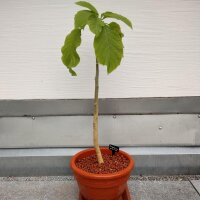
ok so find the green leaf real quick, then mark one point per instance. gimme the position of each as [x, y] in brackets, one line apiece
[87, 5]
[81, 18]
[70, 57]
[117, 16]
[109, 48]
[95, 24]
[117, 28]
[72, 72]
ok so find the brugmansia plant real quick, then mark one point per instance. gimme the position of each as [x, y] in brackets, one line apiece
[108, 48]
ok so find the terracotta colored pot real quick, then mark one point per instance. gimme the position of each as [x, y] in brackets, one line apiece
[101, 186]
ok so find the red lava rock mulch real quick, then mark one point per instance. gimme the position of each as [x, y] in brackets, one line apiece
[111, 164]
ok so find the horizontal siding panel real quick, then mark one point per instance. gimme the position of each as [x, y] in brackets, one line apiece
[162, 52]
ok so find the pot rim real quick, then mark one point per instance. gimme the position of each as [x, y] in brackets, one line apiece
[118, 174]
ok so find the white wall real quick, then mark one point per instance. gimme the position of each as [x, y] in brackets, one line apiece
[162, 53]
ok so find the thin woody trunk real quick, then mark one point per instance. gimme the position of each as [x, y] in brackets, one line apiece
[95, 116]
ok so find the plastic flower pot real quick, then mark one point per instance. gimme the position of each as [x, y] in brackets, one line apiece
[111, 186]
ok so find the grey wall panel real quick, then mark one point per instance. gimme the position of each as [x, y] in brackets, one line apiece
[152, 105]
[123, 130]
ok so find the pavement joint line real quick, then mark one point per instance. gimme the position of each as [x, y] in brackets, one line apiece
[132, 178]
[194, 186]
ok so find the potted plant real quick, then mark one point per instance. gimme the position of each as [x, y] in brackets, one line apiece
[100, 175]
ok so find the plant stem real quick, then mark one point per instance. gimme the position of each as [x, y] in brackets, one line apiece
[95, 116]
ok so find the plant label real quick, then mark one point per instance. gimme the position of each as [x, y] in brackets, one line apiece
[113, 148]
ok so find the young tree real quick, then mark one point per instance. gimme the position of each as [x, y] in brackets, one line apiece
[108, 48]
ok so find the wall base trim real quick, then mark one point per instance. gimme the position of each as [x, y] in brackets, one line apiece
[55, 161]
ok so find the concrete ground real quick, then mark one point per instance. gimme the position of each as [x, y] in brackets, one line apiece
[65, 188]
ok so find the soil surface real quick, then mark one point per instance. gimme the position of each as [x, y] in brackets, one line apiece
[111, 164]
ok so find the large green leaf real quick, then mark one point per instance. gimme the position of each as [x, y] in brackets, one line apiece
[70, 57]
[95, 24]
[117, 16]
[87, 5]
[81, 18]
[117, 28]
[109, 48]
